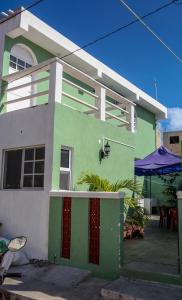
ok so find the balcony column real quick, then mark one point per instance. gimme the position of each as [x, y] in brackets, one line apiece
[131, 118]
[101, 103]
[55, 94]
[55, 82]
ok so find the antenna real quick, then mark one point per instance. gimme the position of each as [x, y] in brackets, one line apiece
[155, 86]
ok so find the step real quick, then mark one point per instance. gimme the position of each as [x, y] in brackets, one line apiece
[137, 289]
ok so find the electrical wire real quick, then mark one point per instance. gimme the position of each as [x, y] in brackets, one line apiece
[13, 15]
[105, 35]
[151, 30]
[119, 29]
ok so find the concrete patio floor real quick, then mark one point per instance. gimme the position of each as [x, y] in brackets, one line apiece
[52, 282]
[131, 289]
[157, 252]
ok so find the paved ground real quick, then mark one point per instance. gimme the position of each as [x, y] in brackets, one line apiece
[157, 252]
[64, 283]
[53, 283]
[127, 289]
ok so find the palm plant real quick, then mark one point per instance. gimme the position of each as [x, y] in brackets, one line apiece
[97, 183]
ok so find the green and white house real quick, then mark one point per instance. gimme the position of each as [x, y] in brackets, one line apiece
[56, 116]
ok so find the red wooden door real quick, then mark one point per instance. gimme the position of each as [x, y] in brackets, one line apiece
[66, 228]
[94, 231]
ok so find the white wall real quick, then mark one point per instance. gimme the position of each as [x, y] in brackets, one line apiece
[26, 212]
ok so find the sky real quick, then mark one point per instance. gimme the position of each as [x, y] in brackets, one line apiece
[132, 52]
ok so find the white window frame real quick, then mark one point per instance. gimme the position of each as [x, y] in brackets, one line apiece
[17, 65]
[22, 168]
[67, 170]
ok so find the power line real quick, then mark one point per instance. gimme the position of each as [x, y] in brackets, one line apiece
[105, 35]
[119, 28]
[20, 11]
[151, 30]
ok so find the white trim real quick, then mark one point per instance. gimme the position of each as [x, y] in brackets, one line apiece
[26, 97]
[44, 66]
[55, 82]
[68, 170]
[114, 107]
[27, 84]
[101, 103]
[83, 194]
[23, 149]
[79, 101]
[116, 142]
[116, 117]
[29, 50]
[80, 88]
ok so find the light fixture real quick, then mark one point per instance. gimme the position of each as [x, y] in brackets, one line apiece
[105, 151]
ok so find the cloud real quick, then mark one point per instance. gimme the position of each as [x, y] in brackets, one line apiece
[174, 120]
[160, 126]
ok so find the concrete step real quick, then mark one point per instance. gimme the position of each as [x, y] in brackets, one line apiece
[131, 289]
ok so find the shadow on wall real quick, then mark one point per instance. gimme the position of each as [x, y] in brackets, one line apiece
[146, 116]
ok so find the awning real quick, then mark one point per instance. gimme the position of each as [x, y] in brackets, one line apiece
[162, 161]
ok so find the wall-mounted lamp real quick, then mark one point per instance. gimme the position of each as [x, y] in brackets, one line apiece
[105, 151]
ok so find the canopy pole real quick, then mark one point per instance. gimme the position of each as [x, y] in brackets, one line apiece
[150, 188]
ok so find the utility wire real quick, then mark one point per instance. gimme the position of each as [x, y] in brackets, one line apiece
[151, 30]
[21, 11]
[119, 29]
[105, 35]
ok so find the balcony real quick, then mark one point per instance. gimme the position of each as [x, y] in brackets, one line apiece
[56, 81]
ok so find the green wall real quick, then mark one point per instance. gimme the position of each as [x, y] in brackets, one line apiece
[111, 242]
[145, 136]
[83, 133]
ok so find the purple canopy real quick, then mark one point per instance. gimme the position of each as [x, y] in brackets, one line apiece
[161, 161]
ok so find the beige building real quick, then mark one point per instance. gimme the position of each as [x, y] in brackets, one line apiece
[172, 141]
[158, 138]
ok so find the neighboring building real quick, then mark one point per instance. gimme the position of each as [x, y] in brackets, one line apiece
[55, 118]
[158, 138]
[172, 141]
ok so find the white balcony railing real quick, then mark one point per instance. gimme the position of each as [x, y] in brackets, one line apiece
[57, 81]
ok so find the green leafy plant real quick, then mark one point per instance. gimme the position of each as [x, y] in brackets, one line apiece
[170, 192]
[98, 183]
[138, 217]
